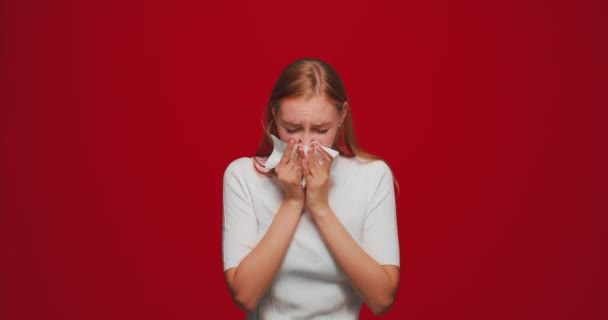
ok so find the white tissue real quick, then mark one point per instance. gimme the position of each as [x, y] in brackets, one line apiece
[279, 149]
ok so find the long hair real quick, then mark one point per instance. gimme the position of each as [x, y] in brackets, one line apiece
[311, 77]
[307, 78]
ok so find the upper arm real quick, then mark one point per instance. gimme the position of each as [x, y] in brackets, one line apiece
[380, 233]
[239, 231]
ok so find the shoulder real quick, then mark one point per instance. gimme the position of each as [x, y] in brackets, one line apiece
[361, 171]
[239, 163]
[239, 167]
[372, 167]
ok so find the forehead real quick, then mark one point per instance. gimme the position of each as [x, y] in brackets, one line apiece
[315, 109]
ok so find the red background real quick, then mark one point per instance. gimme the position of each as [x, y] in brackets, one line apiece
[118, 119]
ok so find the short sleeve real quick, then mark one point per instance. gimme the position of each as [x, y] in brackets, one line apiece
[239, 233]
[380, 232]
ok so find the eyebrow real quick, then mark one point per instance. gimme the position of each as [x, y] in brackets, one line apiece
[291, 123]
[295, 124]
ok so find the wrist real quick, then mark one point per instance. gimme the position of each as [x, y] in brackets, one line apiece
[294, 203]
[321, 212]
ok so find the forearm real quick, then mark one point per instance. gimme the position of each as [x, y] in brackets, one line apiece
[376, 286]
[251, 278]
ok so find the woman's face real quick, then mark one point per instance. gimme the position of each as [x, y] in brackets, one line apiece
[309, 119]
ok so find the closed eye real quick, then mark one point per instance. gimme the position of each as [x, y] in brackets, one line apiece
[320, 131]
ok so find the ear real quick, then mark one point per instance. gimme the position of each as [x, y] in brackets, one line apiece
[343, 112]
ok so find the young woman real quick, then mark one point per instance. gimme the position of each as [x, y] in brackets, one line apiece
[311, 236]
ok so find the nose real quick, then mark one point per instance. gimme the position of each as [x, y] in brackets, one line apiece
[305, 138]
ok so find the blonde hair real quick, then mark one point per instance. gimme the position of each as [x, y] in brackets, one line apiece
[306, 78]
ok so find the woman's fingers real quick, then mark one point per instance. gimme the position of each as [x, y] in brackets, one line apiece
[298, 154]
[288, 152]
[307, 165]
[306, 169]
[327, 159]
[315, 164]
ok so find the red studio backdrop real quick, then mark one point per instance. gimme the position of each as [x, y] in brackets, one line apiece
[118, 118]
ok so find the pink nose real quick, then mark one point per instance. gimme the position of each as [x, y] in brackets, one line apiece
[305, 141]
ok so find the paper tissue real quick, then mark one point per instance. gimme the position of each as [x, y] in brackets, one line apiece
[279, 149]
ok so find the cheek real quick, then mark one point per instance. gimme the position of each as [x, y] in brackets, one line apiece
[326, 139]
[285, 136]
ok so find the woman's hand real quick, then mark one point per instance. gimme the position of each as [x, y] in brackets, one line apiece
[289, 172]
[317, 181]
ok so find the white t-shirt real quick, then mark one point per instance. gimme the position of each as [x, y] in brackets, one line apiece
[309, 284]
